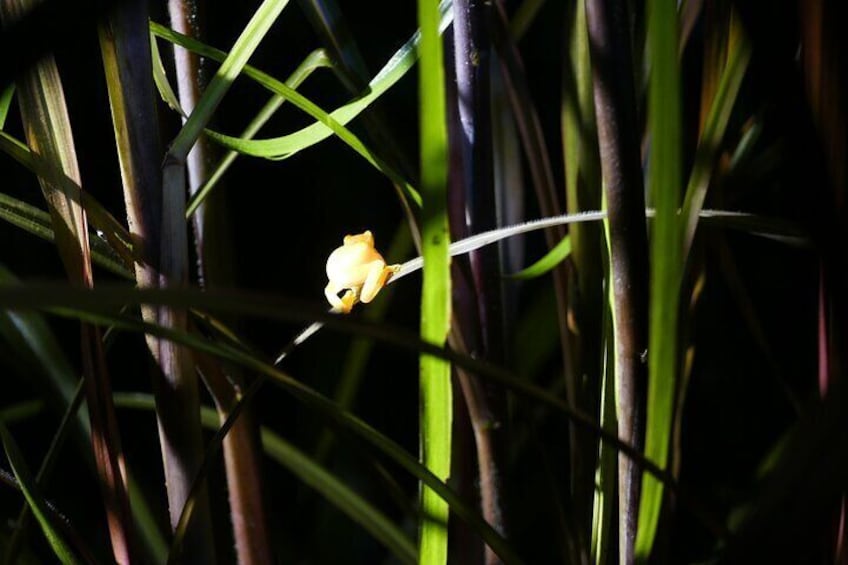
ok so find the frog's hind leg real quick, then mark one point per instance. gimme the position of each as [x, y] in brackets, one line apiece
[348, 300]
[343, 304]
[375, 281]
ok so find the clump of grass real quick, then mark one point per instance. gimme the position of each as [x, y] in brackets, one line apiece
[679, 313]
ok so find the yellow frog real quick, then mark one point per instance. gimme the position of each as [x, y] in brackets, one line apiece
[357, 268]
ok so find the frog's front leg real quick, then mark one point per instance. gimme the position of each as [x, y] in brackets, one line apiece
[378, 275]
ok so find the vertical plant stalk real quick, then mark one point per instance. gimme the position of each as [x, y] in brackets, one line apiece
[125, 45]
[48, 132]
[435, 378]
[665, 169]
[241, 456]
[586, 298]
[485, 401]
[185, 18]
[174, 261]
[618, 140]
[214, 254]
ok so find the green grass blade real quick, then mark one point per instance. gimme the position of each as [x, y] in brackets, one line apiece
[21, 411]
[713, 132]
[5, 102]
[436, 398]
[551, 259]
[37, 222]
[583, 192]
[665, 176]
[29, 333]
[160, 78]
[603, 515]
[38, 505]
[117, 236]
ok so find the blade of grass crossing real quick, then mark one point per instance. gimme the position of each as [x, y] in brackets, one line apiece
[397, 66]
[314, 61]
[36, 502]
[715, 127]
[664, 115]
[31, 336]
[435, 386]
[243, 48]
[37, 222]
[311, 473]
[286, 146]
[55, 180]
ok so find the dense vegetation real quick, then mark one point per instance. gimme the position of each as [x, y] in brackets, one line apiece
[662, 381]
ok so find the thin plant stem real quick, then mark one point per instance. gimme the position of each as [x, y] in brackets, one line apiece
[618, 140]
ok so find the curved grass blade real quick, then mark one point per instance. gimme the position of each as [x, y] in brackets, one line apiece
[281, 147]
[322, 405]
[248, 41]
[547, 263]
[311, 473]
[314, 61]
[329, 124]
[21, 411]
[38, 505]
[160, 78]
[340, 495]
